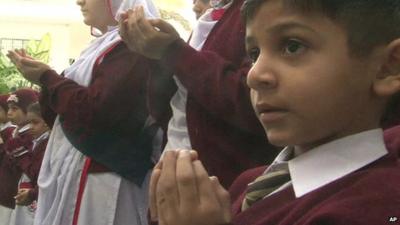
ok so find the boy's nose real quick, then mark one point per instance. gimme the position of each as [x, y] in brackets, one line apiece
[261, 76]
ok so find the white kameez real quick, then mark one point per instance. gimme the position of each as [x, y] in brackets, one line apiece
[123, 201]
[5, 215]
[178, 134]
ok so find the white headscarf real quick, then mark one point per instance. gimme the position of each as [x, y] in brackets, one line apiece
[62, 164]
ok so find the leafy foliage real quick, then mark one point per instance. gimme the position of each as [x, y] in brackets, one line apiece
[171, 15]
[10, 78]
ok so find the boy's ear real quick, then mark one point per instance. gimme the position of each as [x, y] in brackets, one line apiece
[387, 82]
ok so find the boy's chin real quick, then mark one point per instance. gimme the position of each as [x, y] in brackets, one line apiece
[278, 140]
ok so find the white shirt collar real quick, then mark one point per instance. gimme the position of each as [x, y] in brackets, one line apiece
[39, 139]
[6, 125]
[24, 128]
[329, 162]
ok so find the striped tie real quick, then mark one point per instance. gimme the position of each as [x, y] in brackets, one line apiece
[264, 185]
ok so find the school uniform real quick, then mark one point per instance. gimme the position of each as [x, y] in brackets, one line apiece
[29, 164]
[89, 114]
[217, 116]
[19, 144]
[6, 131]
[353, 180]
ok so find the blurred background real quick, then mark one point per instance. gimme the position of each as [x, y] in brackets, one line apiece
[53, 32]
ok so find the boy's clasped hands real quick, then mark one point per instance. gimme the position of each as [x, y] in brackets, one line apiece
[182, 193]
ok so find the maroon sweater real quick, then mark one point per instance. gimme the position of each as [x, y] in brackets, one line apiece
[105, 120]
[9, 173]
[221, 123]
[5, 135]
[369, 196]
[30, 164]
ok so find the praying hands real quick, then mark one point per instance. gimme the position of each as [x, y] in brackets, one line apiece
[182, 193]
[149, 37]
[30, 68]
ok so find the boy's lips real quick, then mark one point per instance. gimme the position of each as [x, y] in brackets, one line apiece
[269, 113]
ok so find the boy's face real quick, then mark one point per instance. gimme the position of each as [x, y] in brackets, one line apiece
[16, 115]
[38, 126]
[305, 87]
[3, 115]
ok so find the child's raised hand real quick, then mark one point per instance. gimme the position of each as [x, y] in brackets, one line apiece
[30, 68]
[148, 37]
[184, 194]
[22, 197]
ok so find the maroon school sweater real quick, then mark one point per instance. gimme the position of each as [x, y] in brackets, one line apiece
[30, 164]
[9, 173]
[369, 196]
[5, 135]
[221, 123]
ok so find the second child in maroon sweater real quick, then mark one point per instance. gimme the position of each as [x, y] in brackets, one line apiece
[16, 146]
[30, 164]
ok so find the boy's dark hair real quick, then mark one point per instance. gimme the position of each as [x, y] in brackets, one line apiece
[34, 108]
[368, 23]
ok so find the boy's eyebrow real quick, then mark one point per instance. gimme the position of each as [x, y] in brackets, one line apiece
[280, 28]
[283, 26]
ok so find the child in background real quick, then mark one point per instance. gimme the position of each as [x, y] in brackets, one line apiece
[30, 165]
[323, 78]
[16, 146]
[6, 127]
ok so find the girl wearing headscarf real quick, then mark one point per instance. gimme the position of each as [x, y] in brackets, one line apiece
[100, 103]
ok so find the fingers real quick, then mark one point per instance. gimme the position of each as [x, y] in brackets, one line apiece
[31, 62]
[186, 181]
[163, 26]
[124, 29]
[206, 191]
[194, 155]
[142, 23]
[14, 57]
[152, 192]
[136, 32]
[20, 59]
[122, 23]
[167, 192]
[223, 198]
[129, 31]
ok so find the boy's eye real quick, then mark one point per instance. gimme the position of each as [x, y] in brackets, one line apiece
[292, 47]
[254, 53]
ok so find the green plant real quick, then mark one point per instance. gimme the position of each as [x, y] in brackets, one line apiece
[10, 77]
[171, 15]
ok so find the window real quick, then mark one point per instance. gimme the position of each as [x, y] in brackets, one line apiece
[10, 43]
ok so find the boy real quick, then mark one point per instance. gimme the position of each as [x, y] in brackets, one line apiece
[16, 146]
[30, 165]
[323, 74]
